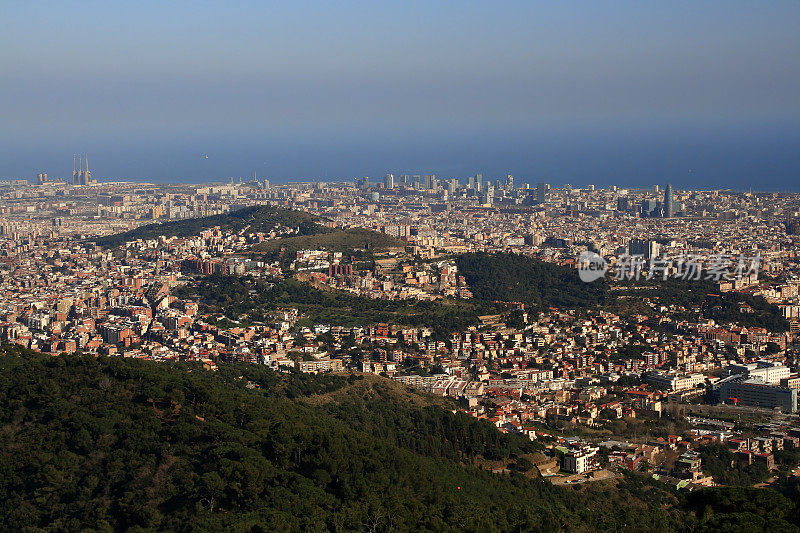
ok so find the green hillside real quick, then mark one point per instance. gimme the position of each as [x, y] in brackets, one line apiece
[335, 241]
[256, 298]
[702, 294]
[258, 218]
[116, 444]
[517, 278]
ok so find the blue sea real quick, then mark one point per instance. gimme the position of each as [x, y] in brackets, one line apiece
[761, 157]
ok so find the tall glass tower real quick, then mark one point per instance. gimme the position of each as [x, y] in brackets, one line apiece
[669, 202]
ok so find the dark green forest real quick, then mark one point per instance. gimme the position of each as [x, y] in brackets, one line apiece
[340, 240]
[703, 295]
[259, 218]
[235, 296]
[113, 444]
[727, 308]
[516, 278]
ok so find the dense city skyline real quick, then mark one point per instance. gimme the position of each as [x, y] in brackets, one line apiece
[400, 266]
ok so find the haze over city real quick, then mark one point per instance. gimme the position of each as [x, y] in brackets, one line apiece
[702, 94]
[400, 266]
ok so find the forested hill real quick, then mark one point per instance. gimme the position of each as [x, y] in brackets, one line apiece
[256, 299]
[516, 278]
[114, 444]
[339, 240]
[258, 218]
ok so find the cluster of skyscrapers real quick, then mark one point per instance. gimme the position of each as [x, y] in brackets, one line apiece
[476, 186]
[656, 209]
[485, 191]
[429, 182]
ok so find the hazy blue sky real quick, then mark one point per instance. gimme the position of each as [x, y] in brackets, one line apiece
[580, 92]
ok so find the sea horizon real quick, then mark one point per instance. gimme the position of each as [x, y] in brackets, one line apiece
[738, 157]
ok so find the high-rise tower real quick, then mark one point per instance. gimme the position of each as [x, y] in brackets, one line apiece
[669, 202]
[541, 192]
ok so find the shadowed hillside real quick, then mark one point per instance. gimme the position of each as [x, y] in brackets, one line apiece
[256, 219]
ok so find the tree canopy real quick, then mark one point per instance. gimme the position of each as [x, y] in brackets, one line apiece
[113, 443]
[516, 278]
